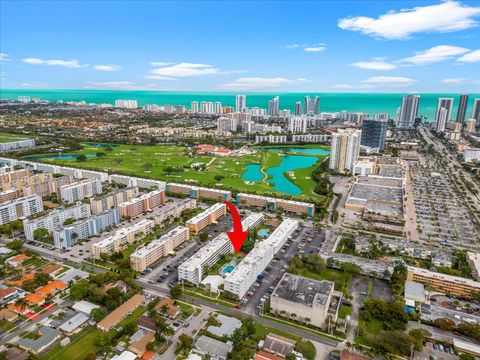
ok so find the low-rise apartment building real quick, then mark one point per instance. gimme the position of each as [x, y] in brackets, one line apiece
[112, 200]
[122, 238]
[173, 210]
[66, 237]
[142, 204]
[55, 219]
[197, 192]
[20, 144]
[192, 270]
[8, 195]
[242, 278]
[312, 301]
[154, 251]
[205, 218]
[273, 204]
[117, 315]
[80, 190]
[51, 186]
[447, 284]
[19, 208]
[310, 138]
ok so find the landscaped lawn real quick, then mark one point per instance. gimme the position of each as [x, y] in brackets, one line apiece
[344, 311]
[171, 163]
[6, 137]
[81, 344]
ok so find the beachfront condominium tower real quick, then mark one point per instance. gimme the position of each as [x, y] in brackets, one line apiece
[440, 116]
[298, 108]
[374, 133]
[274, 106]
[241, 103]
[476, 112]
[408, 112]
[312, 105]
[218, 107]
[345, 149]
[462, 108]
[194, 107]
[441, 120]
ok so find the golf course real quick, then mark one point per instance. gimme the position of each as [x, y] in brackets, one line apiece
[277, 170]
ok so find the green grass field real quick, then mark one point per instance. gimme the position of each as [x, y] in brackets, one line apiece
[172, 163]
[6, 137]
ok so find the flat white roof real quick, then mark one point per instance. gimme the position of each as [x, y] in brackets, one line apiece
[218, 242]
[249, 262]
[84, 306]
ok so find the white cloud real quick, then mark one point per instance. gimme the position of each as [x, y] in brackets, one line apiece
[471, 57]
[107, 67]
[158, 77]
[117, 85]
[34, 84]
[446, 16]
[455, 81]
[374, 65]
[160, 63]
[308, 48]
[73, 64]
[435, 54]
[4, 57]
[167, 71]
[318, 48]
[389, 81]
[257, 83]
[304, 80]
[378, 82]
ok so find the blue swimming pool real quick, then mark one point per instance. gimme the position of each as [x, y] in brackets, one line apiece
[263, 233]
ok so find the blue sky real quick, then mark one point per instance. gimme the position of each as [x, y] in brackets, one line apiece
[342, 46]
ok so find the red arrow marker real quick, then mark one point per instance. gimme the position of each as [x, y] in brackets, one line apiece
[237, 236]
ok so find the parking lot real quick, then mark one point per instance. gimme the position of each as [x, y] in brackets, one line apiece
[165, 272]
[441, 214]
[305, 240]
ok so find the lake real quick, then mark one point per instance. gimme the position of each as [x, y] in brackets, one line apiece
[289, 163]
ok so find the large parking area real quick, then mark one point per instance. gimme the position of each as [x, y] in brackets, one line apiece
[305, 240]
[442, 216]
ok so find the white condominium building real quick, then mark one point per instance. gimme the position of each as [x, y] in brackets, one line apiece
[66, 237]
[208, 217]
[154, 251]
[471, 155]
[271, 139]
[297, 124]
[345, 149]
[173, 210]
[192, 269]
[22, 207]
[13, 145]
[126, 104]
[55, 219]
[310, 138]
[242, 278]
[122, 238]
[81, 190]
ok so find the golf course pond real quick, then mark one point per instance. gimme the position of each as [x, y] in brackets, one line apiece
[289, 163]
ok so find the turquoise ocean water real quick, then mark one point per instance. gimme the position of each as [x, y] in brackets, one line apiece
[330, 102]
